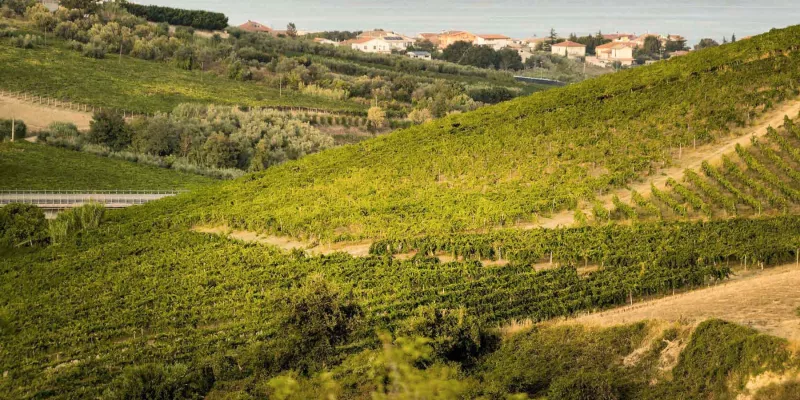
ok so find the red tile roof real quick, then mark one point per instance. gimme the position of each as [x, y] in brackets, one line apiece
[493, 36]
[252, 26]
[569, 44]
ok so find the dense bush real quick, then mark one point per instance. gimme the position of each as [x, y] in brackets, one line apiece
[22, 225]
[69, 222]
[175, 16]
[161, 382]
[109, 128]
[20, 129]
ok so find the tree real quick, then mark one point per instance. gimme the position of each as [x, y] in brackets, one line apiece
[706, 43]
[109, 128]
[480, 56]
[733, 38]
[455, 51]
[376, 118]
[675, 45]
[509, 59]
[423, 45]
[652, 45]
[420, 115]
[551, 39]
[291, 30]
[21, 225]
[219, 152]
[315, 319]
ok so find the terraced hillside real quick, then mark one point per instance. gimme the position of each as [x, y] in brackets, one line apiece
[141, 304]
[759, 179]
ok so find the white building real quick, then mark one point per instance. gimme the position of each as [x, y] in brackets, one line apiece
[400, 43]
[496, 42]
[371, 45]
[422, 55]
[609, 53]
[569, 49]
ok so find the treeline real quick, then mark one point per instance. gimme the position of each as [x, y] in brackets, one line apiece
[197, 19]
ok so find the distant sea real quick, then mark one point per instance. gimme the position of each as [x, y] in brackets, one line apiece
[516, 18]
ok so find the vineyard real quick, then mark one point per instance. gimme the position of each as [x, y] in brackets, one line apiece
[756, 180]
[526, 159]
[135, 304]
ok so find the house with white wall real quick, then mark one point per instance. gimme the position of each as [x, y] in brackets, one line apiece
[371, 45]
[494, 41]
[569, 49]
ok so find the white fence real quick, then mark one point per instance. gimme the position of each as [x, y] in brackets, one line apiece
[63, 199]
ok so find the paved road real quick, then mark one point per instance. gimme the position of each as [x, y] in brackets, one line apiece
[59, 200]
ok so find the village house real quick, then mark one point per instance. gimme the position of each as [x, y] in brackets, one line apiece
[371, 45]
[494, 41]
[619, 37]
[524, 51]
[422, 55]
[569, 49]
[533, 42]
[448, 38]
[431, 37]
[252, 26]
[400, 43]
[609, 53]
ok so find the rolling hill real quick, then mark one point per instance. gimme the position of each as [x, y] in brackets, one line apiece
[144, 303]
[518, 161]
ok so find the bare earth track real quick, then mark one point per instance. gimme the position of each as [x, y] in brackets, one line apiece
[38, 116]
[764, 300]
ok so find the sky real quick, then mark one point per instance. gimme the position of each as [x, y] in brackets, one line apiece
[516, 18]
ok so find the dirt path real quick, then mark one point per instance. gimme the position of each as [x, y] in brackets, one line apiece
[38, 116]
[356, 249]
[689, 159]
[767, 300]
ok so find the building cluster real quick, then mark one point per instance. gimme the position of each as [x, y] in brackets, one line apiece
[619, 50]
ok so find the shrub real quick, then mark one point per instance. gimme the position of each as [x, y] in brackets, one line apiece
[20, 129]
[109, 128]
[75, 220]
[94, 50]
[315, 319]
[585, 385]
[21, 225]
[455, 335]
[160, 382]
[27, 41]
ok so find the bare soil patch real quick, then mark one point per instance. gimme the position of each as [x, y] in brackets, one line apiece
[39, 116]
[765, 300]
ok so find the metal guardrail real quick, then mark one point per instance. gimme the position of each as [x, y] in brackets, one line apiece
[62, 199]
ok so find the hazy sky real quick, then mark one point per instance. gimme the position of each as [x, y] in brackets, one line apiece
[516, 18]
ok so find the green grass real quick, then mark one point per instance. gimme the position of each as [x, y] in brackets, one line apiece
[39, 167]
[133, 84]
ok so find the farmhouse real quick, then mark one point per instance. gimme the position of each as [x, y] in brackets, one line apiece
[610, 53]
[569, 49]
[371, 45]
[494, 41]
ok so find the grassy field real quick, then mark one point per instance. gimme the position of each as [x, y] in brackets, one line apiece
[133, 84]
[40, 167]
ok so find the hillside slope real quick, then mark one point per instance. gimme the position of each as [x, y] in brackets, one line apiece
[30, 166]
[519, 160]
